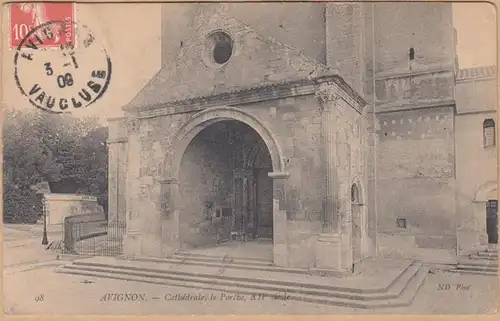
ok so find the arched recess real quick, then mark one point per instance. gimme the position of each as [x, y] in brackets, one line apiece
[484, 192]
[360, 191]
[210, 116]
[358, 222]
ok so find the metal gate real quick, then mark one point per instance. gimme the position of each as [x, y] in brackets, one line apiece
[92, 238]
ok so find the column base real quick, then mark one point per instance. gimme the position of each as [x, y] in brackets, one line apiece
[329, 253]
[170, 238]
[132, 244]
[280, 257]
[151, 246]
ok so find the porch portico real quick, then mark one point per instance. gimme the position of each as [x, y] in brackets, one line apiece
[306, 142]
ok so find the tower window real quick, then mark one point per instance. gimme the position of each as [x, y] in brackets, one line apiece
[411, 54]
[489, 133]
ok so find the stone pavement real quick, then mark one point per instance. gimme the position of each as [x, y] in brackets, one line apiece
[22, 245]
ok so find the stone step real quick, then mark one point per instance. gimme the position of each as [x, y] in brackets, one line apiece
[474, 272]
[225, 260]
[266, 277]
[182, 254]
[401, 292]
[478, 257]
[267, 285]
[480, 268]
[236, 265]
[488, 254]
[477, 262]
[492, 248]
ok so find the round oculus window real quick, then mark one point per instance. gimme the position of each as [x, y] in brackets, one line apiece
[220, 46]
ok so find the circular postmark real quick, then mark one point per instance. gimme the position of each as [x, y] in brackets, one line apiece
[63, 78]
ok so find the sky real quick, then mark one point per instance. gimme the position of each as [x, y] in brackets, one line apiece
[476, 30]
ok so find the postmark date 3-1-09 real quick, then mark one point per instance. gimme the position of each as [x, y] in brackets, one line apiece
[64, 79]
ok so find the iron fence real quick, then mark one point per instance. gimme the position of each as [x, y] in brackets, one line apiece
[92, 237]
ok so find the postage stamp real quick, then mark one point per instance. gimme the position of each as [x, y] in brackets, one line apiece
[26, 16]
[59, 81]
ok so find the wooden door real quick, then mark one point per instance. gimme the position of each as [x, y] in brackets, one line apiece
[244, 203]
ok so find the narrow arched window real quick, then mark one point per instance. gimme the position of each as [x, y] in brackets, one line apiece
[489, 133]
[354, 194]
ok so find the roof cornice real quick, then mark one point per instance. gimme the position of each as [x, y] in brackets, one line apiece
[252, 94]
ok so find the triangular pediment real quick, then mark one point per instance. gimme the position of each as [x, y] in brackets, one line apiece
[255, 60]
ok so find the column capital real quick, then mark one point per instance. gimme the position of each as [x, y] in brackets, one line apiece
[326, 95]
[132, 125]
[279, 175]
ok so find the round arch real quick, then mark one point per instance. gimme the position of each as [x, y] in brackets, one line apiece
[482, 194]
[201, 120]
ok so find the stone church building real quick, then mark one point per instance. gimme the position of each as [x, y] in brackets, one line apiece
[330, 132]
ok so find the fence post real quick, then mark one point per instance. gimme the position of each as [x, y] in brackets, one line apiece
[69, 240]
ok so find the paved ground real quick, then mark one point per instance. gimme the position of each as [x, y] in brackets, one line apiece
[22, 245]
[34, 288]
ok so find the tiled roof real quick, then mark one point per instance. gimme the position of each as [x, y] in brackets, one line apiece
[476, 72]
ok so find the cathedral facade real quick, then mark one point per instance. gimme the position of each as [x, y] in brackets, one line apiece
[330, 132]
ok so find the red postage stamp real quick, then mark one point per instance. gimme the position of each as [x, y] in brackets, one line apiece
[26, 16]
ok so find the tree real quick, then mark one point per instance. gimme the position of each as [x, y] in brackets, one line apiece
[68, 152]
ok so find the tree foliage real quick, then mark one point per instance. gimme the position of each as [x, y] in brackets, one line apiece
[70, 153]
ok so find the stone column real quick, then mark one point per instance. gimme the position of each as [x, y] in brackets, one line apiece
[170, 199]
[132, 239]
[150, 216]
[117, 168]
[328, 246]
[328, 127]
[117, 181]
[280, 244]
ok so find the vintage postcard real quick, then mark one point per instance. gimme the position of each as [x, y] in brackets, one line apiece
[306, 158]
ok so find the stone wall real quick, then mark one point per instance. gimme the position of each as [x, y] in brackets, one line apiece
[60, 206]
[425, 27]
[205, 175]
[476, 95]
[415, 176]
[476, 169]
[476, 164]
[351, 169]
[345, 36]
[256, 58]
[412, 90]
[300, 24]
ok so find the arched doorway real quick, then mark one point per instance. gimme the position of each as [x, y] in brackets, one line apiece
[357, 224]
[492, 217]
[487, 194]
[251, 202]
[226, 193]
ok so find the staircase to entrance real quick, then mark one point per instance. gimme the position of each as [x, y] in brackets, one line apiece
[484, 262]
[377, 283]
